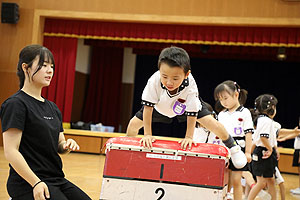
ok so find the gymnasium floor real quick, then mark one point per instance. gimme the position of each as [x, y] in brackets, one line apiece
[85, 170]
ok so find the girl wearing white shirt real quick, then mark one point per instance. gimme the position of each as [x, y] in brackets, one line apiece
[238, 122]
[202, 135]
[264, 157]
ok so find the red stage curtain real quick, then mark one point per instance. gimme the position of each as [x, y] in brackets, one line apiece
[61, 88]
[103, 95]
[170, 33]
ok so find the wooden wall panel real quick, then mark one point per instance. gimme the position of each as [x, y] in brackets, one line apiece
[87, 144]
[224, 8]
[285, 164]
[9, 84]
[15, 36]
[226, 12]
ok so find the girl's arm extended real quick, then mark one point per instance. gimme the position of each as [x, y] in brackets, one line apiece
[147, 140]
[286, 134]
[188, 140]
[248, 139]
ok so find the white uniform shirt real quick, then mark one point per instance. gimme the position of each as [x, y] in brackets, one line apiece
[266, 127]
[202, 135]
[155, 94]
[277, 127]
[297, 142]
[237, 123]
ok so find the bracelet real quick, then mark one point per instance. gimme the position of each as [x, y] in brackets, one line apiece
[36, 184]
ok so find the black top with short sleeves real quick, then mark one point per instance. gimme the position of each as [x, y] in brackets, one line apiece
[41, 124]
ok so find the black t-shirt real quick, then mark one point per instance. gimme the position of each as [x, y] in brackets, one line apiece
[41, 124]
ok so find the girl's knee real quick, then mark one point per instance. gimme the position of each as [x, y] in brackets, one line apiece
[133, 127]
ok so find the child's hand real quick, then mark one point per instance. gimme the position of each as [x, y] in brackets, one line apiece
[187, 142]
[249, 157]
[147, 140]
[277, 154]
[297, 131]
[266, 154]
[281, 138]
[71, 145]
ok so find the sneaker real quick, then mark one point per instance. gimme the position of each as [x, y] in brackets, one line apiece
[264, 195]
[238, 158]
[295, 191]
[229, 196]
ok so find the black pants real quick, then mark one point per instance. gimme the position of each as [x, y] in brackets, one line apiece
[67, 191]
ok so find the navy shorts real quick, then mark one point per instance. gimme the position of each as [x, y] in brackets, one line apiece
[263, 167]
[296, 158]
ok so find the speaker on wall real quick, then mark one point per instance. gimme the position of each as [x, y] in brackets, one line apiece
[10, 13]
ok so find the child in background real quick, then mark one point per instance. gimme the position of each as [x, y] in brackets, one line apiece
[202, 135]
[296, 162]
[172, 92]
[264, 154]
[278, 178]
[238, 122]
[282, 135]
[286, 134]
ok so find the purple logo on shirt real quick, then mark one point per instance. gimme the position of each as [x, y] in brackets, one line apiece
[238, 130]
[179, 107]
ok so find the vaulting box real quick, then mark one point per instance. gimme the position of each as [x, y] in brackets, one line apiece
[164, 171]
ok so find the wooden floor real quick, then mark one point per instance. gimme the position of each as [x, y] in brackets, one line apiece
[85, 170]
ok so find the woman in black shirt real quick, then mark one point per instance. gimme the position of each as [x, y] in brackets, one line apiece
[33, 134]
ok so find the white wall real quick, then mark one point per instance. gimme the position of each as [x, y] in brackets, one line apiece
[83, 61]
[129, 61]
[83, 57]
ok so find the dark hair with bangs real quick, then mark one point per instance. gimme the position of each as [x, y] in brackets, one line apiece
[28, 54]
[175, 57]
[231, 87]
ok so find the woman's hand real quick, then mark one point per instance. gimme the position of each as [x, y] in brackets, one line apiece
[41, 191]
[70, 145]
[187, 142]
[147, 140]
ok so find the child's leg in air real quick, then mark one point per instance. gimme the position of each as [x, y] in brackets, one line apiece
[134, 126]
[238, 158]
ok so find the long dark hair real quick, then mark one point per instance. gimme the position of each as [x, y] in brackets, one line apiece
[28, 54]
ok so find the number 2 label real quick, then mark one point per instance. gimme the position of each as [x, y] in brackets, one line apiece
[162, 193]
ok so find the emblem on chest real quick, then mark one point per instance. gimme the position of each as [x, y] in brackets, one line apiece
[179, 107]
[238, 130]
